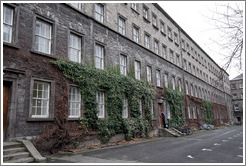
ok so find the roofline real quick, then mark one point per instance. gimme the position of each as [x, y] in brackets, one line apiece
[176, 24]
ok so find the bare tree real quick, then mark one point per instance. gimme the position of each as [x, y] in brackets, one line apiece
[228, 20]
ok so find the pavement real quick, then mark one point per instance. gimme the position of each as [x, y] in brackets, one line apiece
[223, 145]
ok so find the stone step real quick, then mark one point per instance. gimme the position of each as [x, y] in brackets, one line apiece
[21, 160]
[7, 145]
[178, 132]
[13, 150]
[16, 156]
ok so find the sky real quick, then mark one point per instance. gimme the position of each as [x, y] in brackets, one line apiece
[193, 17]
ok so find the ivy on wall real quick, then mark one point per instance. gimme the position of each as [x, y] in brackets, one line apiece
[175, 100]
[207, 110]
[115, 86]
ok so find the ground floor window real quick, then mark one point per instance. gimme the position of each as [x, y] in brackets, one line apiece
[74, 102]
[101, 104]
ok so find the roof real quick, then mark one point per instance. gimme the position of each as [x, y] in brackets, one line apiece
[239, 77]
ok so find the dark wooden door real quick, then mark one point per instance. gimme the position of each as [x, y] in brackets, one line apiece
[160, 119]
[5, 106]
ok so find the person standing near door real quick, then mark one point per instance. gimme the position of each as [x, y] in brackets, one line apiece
[163, 119]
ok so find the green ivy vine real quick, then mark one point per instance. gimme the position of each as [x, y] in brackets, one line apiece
[207, 110]
[115, 86]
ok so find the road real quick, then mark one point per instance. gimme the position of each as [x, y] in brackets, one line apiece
[224, 145]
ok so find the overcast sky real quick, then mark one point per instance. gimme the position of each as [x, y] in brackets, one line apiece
[193, 17]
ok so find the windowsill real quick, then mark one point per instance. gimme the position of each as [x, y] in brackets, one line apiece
[43, 54]
[135, 11]
[73, 118]
[13, 45]
[30, 119]
[159, 87]
[146, 19]
[163, 33]
[176, 44]
[170, 39]
[155, 27]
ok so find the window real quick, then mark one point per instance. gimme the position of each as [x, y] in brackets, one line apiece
[173, 83]
[166, 79]
[200, 93]
[135, 32]
[241, 96]
[76, 5]
[156, 47]
[194, 70]
[188, 48]
[140, 108]
[122, 26]
[74, 102]
[169, 33]
[180, 85]
[99, 56]
[164, 52]
[154, 20]
[236, 108]
[177, 59]
[158, 78]
[194, 112]
[191, 90]
[147, 41]
[149, 74]
[187, 88]
[123, 64]
[7, 23]
[240, 86]
[99, 12]
[152, 110]
[234, 96]
[190, 67]
[137, 69]
[176, 40]
[134, 6]
[43, 37]
[196, 91]
[171, 56]
[101, 104]
[125, 108]
[183, 44]
[185, 65]
[145, 12]
[189, 113]
[163, 29]
[40, 99]
[75, 48]
[168, 111]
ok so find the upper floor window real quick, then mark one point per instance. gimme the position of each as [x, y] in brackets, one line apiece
[147, 41]
[240, 86]
[169, 33]
[40, 99]
[171, 56]
[236, 107]
[191, 90]
[145, 12]
[183, 44]
[187, 88]
[190, 70]
[188, 48]
[166, 80]
[43, 37]
[178, 60]
[173, 83]
[125, 108]
[7, 23]
[149, 74]
[164, 52]
[74, 102]
[99, 56]
[176, 40]
[75, 48]
[189, 113]
[135, 32]
[123, 64]
[233, 86]
[234, 96]
[76, 5]
[134, 6]
[122, 26]
[101, 104]
[194, 112]
[180, 85]
[196, 91]
[137, 69]
[156, 46]
[163, 28]
[185, 65]
[154, 20]
[158, 78]
[99, 12]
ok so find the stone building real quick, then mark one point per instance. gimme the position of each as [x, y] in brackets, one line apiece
[237, 98]
[127, 34]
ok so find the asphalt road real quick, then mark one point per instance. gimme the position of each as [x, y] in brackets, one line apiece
[224, 145]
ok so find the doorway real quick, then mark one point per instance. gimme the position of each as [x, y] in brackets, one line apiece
[6, 97]
[160, 118]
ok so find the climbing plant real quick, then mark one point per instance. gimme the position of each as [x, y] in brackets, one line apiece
[175, 100]
[207, 110]
[115, 87]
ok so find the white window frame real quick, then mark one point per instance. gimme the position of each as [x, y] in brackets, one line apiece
[166, 80]
[154, 20]
[101, 104]
[74, 112]
[171, 54]
[156, 46]
[76, 5]
[185, 64]
[125, 108]
[189, 112]
[169, 33]
[178, 59]
[194, 112]
[122, 25]
[123, 64]
[187, 88]
[137, 69]
[162, 26]
[8, 25]
[173, 83]
[149, 74]
[99, 56]
[158, 78]
[145, 12]
[147, 41]
[191, 90]
[134, 6]
[180, 85]
[42, 99]
[164, 51]
[176, 40]
[47, 48]
[77, 48]
[135, 34]
[99, 15]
